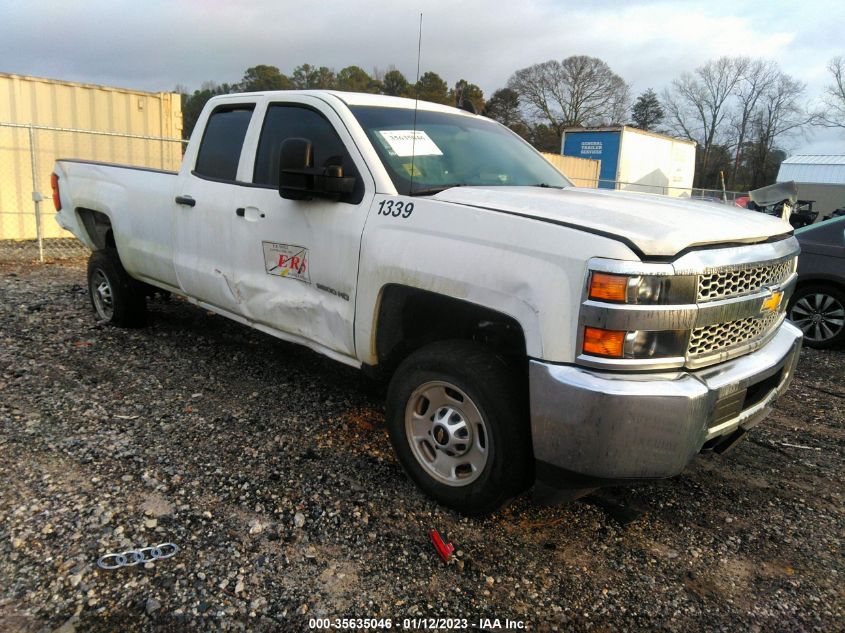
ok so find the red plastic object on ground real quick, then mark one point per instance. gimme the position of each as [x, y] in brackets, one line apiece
[443, 549]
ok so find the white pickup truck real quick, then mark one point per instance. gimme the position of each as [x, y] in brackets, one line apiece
[532, 332]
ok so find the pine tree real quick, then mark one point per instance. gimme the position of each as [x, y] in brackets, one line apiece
[647, 112]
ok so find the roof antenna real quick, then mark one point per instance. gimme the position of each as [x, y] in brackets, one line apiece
[416, 102]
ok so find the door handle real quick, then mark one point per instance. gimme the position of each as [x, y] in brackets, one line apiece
[187, 201]
[250, 214]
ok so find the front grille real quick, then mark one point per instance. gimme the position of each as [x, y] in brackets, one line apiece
[742, 281]
[720, 337]
[723, 303]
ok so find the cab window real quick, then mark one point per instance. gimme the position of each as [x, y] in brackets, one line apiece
[293, 121]
[222, 141]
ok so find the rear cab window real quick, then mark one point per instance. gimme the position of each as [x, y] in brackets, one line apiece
[222, 142]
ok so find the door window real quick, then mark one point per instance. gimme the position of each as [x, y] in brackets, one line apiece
[290, 121]
[222, 141]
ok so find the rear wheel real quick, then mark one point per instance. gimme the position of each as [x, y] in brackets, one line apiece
[458, 422]
[819, 310]
[115, 296]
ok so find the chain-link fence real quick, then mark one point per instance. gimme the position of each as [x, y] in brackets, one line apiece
[28, 230]
[712, 195]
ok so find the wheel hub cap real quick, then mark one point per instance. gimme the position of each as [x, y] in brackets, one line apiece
[446, 433]
[820, 316]
[451, 431]
[101, 292]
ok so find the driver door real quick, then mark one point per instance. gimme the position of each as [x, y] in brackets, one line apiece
[295, 262]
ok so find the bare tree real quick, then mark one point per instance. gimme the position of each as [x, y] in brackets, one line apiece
[758, 76]
[697, 104]
[832, 113]
[579, 90]
[781, 113]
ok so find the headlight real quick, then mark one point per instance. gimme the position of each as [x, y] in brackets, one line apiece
[646, 344]
[635, 344]
[648, 289]
[642, 289]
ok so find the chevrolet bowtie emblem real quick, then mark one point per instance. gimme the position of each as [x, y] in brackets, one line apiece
[772, 303]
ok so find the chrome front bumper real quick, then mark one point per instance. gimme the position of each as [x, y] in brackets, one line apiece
[603, 425]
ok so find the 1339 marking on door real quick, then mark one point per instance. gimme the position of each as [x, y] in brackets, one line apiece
[396, 208]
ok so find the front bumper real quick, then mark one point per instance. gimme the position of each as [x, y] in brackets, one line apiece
[595, 426]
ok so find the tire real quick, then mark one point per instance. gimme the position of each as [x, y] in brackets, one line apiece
[457, 418]
[115, 296]
[819, 310]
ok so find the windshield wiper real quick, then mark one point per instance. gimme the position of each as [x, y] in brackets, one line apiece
[430, 191]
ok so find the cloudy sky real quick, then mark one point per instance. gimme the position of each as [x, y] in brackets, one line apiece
[157, 44]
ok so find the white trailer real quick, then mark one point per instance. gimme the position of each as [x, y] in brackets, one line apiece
[635, 160]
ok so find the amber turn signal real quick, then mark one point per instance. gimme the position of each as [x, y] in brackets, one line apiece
[601, 342]
[608, 287]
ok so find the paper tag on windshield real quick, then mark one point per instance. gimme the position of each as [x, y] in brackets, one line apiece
[409, 143]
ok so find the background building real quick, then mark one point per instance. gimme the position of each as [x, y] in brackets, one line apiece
[45, 119]
[583, 172]
[818, 177]
[635, 160]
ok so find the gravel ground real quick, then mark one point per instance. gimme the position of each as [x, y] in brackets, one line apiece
[270, 467]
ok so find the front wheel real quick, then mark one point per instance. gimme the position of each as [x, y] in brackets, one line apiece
[115, 296]
[457, 419]
[819, 310]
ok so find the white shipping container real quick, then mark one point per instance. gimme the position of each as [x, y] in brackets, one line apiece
[635, 160]
[59, 104]
[650, 162]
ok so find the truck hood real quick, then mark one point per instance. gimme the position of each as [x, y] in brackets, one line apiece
[654, 225]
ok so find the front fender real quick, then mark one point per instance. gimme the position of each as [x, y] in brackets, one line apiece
[527, 269]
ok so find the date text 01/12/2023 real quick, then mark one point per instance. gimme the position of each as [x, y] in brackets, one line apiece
[416, 624]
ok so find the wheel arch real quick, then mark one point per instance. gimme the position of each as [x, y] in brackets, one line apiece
[98, 227]
[817, 280]
[408, 318]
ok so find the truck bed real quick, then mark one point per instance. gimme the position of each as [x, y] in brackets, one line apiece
[139, 201]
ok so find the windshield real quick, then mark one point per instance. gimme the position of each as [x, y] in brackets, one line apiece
[450, 150]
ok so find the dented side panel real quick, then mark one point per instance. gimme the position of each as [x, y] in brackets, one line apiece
[296, 268]
[295, 262]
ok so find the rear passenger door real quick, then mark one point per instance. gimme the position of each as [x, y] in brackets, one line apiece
[296, 261]
[203, 210]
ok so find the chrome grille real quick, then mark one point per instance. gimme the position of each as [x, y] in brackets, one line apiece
[713, 339]
[742, 281]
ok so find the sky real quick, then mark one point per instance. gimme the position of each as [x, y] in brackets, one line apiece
[156, 45]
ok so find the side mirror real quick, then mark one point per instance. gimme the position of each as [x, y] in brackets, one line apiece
[296, 162]
[300, 180]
